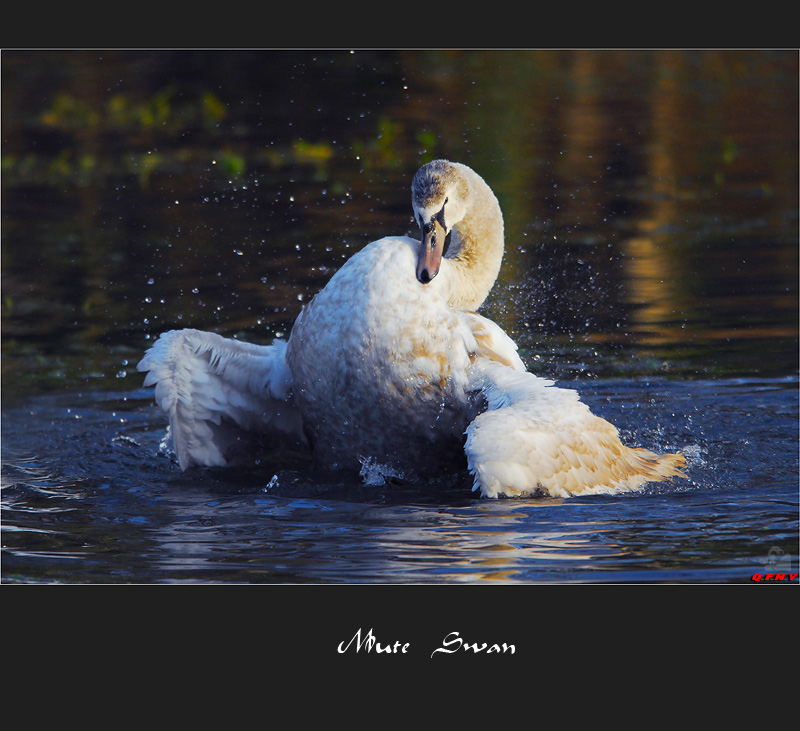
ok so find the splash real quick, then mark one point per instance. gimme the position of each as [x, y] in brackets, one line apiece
[374, 473]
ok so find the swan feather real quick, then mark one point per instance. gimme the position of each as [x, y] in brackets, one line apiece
[203, 380]
[536, 436]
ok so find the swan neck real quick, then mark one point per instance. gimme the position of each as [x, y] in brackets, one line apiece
[476, 246]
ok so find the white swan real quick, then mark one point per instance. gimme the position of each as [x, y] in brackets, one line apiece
[390, 363]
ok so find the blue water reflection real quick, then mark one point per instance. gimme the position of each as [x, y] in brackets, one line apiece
[125, 514]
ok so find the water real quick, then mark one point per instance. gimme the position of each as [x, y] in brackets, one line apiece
[651, 219]
[98, 505]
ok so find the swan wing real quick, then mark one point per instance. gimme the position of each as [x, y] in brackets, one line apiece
[204, 381]
[487, 341]
[537, 437]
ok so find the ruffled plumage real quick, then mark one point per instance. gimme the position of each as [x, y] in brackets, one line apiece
[390, 364]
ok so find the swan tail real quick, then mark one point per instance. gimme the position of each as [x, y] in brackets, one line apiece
[537, 438]
[205, 383]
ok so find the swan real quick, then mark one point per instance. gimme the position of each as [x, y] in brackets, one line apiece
[390, 362]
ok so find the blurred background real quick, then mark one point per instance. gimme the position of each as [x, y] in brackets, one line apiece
[650, 198]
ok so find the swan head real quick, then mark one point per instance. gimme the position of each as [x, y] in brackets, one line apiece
[440, 197]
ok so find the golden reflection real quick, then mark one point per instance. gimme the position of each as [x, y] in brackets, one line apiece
[491, 544]
[673, 138]
[650, 276]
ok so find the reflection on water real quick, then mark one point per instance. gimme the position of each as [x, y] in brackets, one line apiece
[100, 504]
[650, 201]
[650, 198]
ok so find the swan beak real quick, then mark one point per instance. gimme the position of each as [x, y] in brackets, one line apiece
[431, 250]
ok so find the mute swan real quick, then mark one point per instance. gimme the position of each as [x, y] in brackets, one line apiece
[391, 363]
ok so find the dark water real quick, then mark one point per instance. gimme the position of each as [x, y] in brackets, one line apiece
[651, 262]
